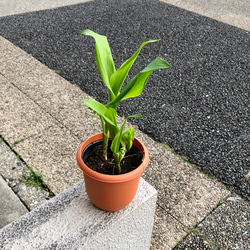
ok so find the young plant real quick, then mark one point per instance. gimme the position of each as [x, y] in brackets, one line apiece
[121, 141]
[114, 80]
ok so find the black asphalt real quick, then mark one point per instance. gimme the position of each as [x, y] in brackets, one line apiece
[200, 107]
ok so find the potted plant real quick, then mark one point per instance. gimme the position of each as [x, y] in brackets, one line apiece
[112, 161]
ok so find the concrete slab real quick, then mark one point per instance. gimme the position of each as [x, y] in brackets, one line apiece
[20, 117]
[52, 92]
[53, 154]
[195, 241]
[71, 221]
[228, 226]
[12, 7]
[167, 230]
[10, 206]
[14, 171]
[28, 74]
[62, 103]
[232, 12]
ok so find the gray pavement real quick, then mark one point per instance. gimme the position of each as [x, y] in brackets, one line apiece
[223, 225]
[10, 206]
[232, 12]
[227, 227]
[18, 177]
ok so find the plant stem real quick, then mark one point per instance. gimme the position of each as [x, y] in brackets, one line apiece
[118, 159]
[118, 169]
[117, 163]
[105, 140]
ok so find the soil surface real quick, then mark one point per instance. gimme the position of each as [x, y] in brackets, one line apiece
[93, 158]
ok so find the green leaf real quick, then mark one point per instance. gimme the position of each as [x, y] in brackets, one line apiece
[99, 109]
[115, 146]
[136, 85]
[157, 64]
[111, 115]
[103, 56]
[117, 79]
[127, 138]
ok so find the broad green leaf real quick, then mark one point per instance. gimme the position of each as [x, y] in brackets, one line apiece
[111, 114]
[103, 56]
[117, 79]
[136, 85]
[157, 64]
[99, 109]
[115, 146]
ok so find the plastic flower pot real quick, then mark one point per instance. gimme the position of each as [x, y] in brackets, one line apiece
[111, 192]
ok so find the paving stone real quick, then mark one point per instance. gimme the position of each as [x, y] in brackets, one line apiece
[228, 226]
[48, 89]
[232, 12]
[53, 155]
[67, 108]
[27, 73]
[20, 117]
[195, 241]
[167, 231]
[183, 190]
[14, 172]
[10, 206]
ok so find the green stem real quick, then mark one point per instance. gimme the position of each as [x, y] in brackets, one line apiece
[105, 140]
[117, 163]
[118, 158]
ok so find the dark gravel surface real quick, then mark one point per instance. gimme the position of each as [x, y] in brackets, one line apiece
[199, 107]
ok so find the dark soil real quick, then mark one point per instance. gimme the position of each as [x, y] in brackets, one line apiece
[92, 157]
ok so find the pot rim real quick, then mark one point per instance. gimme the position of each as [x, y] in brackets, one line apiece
[112, 178]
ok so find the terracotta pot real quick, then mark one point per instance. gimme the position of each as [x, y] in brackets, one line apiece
[111, 192]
